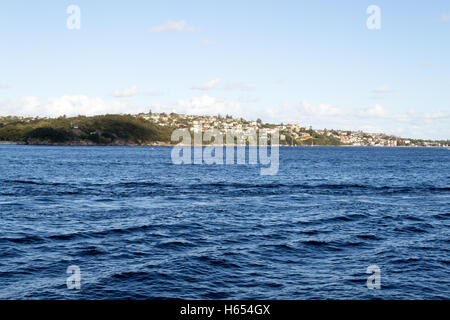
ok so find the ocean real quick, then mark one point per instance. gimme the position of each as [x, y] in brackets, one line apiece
[139, 227]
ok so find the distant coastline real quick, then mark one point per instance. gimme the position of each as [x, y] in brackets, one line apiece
[155, 129]
[168, 145]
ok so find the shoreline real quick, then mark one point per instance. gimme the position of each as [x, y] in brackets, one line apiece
[164, 144]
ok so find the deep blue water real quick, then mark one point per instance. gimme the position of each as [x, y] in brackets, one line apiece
[140, 227]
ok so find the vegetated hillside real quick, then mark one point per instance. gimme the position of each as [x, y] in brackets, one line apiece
[314, 138]
[102, 130]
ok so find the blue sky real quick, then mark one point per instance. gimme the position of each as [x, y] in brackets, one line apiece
[309, 62]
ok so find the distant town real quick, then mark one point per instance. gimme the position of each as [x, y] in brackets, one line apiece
[155, 129]
[290, 134]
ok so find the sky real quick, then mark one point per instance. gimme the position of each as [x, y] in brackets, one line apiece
[315, 63]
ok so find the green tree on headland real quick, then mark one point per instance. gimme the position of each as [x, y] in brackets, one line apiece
[107, 129]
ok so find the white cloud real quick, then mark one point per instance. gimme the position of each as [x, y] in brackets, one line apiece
[65, 105]
[207, 85]
[238, 86]
[437, 115]
[319, 110]
[154, 93]
[382, 89]
[379, 112]
[176, 26]
[375, 111]
[128, 92]
[209, 105]
[208, 42]
[4, 85]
